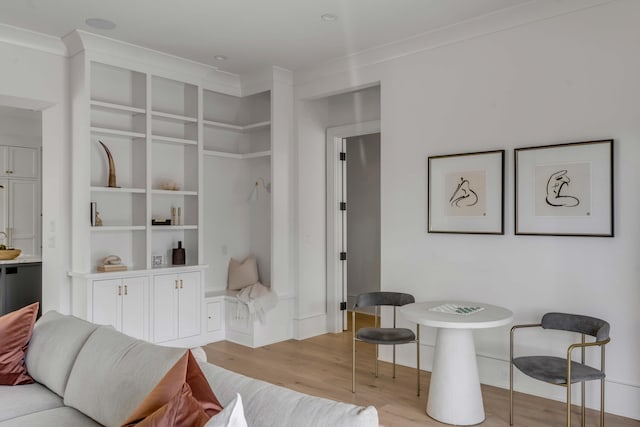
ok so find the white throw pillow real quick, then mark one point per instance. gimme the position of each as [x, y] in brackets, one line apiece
[231, 416]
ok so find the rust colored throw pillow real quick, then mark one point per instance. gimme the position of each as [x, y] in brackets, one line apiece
[15, 332]
[182, 398]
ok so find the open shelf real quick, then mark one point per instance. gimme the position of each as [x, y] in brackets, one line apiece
[111, 228]
[235, 127]
[173, 117]
[101, 105]
[117, 190]
[174, 193]
[172, 140]
[173, 227]
[225, 154]
[117, 132]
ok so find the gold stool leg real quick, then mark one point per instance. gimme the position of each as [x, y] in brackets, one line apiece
[353, 351]
[602, 402]
[511, 379]
[418, 356]
[394, 361]
[568, 404]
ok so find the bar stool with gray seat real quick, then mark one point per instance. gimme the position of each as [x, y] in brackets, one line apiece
[384, 336]
[563, 371]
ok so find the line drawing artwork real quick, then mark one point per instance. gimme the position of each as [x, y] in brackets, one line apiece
[463, 196]
[556, 185]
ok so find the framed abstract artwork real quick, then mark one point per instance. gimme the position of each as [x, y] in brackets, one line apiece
[565, 189]
[466, 193]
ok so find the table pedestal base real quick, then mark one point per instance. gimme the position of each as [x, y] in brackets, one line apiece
[454, 392]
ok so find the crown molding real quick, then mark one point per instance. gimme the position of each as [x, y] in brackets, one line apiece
[501, 20]
[32, 40]
[131, 56]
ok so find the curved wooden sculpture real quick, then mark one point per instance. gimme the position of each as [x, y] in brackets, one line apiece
[112, 166]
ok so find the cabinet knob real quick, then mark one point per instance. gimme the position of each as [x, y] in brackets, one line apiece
[125, 290]
[176, 284]
[180, 283]
[210, 317]
[119, 290]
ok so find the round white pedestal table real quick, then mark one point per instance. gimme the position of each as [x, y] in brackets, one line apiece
[454, 391]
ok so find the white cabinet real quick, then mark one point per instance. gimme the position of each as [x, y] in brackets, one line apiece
[214, 316]
[20, 214]
[19, 162]
[124, 304]
[176, 306]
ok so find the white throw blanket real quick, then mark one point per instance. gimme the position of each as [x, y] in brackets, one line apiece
[254, 301]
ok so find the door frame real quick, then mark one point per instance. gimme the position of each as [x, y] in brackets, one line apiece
[334, 225]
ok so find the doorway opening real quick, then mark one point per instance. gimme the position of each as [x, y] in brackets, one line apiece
[20, 208]
[353, 218]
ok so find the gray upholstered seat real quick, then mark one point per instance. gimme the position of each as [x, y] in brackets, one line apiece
[384, 336]
[558, 370]
[554, 369]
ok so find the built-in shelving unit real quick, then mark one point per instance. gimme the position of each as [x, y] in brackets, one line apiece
[150, 125]
[189, 142]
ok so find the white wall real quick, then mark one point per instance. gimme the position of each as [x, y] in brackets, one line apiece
[562, 79]
[34, 75]
[21, 128]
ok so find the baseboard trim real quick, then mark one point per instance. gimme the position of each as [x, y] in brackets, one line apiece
[310, 326]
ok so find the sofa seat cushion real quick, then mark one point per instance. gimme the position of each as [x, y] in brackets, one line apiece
[113, 373]
[55, 344]
[268, 405]
[63, 416]
[19, 400]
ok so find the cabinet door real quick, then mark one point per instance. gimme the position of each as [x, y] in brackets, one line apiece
[24, 215]
[135, 307]
[4, 161]
[23, 162]
[165, 307]
[4, 208]
[214, 320]
[107, 298]
[190, 301]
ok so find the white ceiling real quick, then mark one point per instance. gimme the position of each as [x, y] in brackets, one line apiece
[251, 33]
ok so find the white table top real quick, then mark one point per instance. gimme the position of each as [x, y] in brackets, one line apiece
[490, 317]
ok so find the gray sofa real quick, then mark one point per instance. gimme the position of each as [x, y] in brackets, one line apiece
[90, 375]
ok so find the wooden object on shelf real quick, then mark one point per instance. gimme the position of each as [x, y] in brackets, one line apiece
[112, 263]
[108, 267]
[112, 167]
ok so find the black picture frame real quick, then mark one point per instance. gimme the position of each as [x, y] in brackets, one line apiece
[565, 189]
[455, 181]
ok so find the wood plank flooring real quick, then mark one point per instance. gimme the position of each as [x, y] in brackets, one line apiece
[321, 366]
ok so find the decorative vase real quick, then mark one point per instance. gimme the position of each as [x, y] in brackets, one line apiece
[178, 255]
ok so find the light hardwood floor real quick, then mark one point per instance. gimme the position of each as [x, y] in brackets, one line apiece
[321, 366]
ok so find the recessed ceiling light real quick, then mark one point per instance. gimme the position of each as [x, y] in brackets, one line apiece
[329, 17]
[100, 24]
[220, 58]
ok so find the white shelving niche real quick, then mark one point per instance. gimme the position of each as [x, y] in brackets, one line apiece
[174, 167]
[237, 154]
[118, 119]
